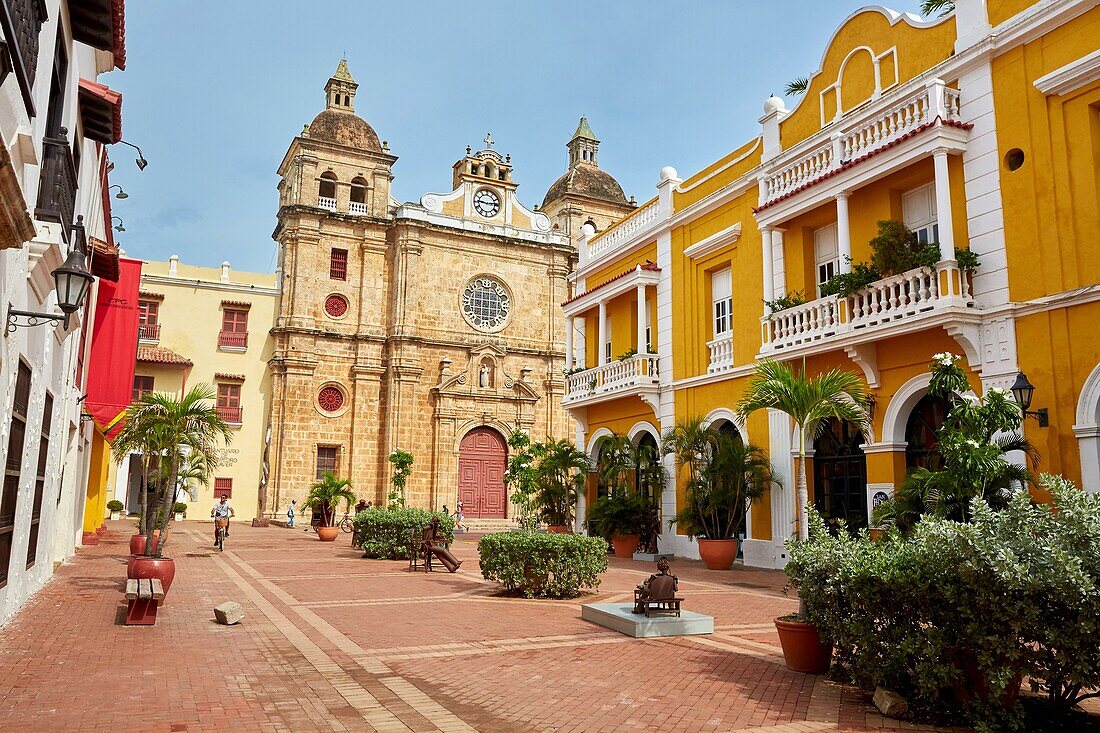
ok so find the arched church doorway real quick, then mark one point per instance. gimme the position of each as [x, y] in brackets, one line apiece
[840, 474]
[482, 458]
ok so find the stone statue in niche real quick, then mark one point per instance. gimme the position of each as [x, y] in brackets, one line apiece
[485, 377]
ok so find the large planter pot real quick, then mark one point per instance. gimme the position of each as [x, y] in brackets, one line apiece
[137, 543]
[327, 534]
[718, 554]
[625, 545]
[803, 649]
[162, 568]
[877, 535]
[558, 528]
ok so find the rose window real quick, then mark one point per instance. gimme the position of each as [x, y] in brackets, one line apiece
[330, 399]
[336, 306]
[485, 304]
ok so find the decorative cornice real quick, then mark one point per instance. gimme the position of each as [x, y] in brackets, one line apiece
[714, 242]
[1072, 76]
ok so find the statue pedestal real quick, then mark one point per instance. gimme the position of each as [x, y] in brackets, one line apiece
[653, 556]
[618, 616]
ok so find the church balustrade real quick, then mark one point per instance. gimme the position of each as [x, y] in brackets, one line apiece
[326, 203]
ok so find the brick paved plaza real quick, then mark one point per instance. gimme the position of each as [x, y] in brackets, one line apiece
[333, 642]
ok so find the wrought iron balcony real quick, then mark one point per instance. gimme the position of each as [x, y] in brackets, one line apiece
[637, 375]
[57, 185]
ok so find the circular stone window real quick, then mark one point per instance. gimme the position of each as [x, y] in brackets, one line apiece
[336, 306]
[486, 303]
[330, 400]
[1014, 159]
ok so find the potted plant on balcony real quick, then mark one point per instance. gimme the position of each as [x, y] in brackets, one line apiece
[810, 402]
[725, 476]
[114, 506]
[327, 494]
[165, 430]
[559, 478]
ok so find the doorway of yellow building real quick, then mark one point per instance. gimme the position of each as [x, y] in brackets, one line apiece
[840, 474]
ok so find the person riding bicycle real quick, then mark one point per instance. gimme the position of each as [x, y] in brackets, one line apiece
[221, 510]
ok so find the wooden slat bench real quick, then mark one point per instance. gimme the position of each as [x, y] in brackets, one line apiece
[657, 605]
[143, 596]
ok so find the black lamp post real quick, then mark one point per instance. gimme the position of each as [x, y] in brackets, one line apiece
[71, 282]
[1023, 391]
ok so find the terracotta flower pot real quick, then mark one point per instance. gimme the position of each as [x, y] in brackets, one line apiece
[137, 543]
[162, 568]
[625, 545]
[803, 649]
[718, 554]
[558, 528]
[327, 534]
[877, 535]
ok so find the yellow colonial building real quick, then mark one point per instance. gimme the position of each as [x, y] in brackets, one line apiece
[979, 131]
[208, 325]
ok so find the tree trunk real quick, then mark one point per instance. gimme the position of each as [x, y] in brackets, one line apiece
[143, 524]
[169, 496]
[803, 504]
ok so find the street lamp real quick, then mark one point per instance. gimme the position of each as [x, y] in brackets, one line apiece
[1023, 391]
[71, 282]
[121, 194]
[141, 161]
[118, 227]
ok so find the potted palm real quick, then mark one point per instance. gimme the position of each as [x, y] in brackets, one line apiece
[811, 402]
[559, 478]
[327, 494]
[731, 475]
[114, 506]
[624, 513]
[165, 429]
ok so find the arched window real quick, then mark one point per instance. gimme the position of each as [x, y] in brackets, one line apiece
[593, 225]
[647, 473]
[327, 187]
[358, 190]
[922, 444]
[840, 474]
[602, 456]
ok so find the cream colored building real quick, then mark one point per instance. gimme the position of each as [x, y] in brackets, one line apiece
[208, 325]
[432, 326]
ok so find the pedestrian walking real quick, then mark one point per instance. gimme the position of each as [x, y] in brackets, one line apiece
[458, 519]
[290, 513]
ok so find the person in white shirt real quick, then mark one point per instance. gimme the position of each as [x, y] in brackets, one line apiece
[221, 510]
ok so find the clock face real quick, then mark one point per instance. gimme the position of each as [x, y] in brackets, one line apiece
[486, 203]
[486, 304]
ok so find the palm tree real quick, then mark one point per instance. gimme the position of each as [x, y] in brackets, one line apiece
[167, 429]
[942, 7]
[195, 467]
[692, 442]
[796, 86]
[327, 493]
[811, 402]
[616, 462]
[560, 478]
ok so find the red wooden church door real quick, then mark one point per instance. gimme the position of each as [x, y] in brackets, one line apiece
[482, 457]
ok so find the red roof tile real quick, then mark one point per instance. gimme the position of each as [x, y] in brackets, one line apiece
[160, 355]
[649, 266]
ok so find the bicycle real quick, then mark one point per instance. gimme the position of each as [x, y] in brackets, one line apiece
[345, 524]
[221, 525]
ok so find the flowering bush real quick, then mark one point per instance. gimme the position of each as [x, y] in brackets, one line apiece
[545, 565]
[954, 616]
[385, 533]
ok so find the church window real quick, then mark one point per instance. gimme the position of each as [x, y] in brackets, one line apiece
[328, 460]
[358, 190]
[336, 306]
[330, 398]
[486, 304]
[326, 191]
[338, 264]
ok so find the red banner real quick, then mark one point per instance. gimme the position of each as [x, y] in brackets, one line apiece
[114, 348]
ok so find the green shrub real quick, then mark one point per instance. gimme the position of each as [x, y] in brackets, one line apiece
[114, 505]
[384, 533]
[783, 302]
[179, 507]
[847, 283]
[896, 250]
[618, 514]
[953, 615]
[543, 565]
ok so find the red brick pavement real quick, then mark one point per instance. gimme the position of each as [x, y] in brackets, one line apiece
[332, 642]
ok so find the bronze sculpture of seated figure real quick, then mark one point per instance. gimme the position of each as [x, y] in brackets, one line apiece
[432, 544]
[658, 594]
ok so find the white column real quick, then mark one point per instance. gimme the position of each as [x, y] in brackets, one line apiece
[601, 357]
[641, 320]
[843, 232]
[943, 206]
[568, 343]
[769, 278]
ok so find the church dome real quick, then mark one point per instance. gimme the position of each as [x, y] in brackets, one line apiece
[344, 128]
[586, 180]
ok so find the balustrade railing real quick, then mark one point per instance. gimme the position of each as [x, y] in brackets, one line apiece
[903, 297]
[325, 202]
[721, 353]
[871, 130]
[233, 339]
[626, 229]
[613, 377]
[355, 207]
[149, 331]
[231, 415]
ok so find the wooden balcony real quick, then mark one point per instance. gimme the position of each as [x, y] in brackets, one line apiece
[233, 340]
[149, 332]
[57, 185]
[231, 415]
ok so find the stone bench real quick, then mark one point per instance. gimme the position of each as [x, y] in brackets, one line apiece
[143, 597]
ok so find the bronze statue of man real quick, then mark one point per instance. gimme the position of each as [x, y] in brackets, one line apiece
[431, 544]
[660, 586]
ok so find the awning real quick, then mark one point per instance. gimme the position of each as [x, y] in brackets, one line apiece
[104, 259]
[101, 24]
[101, 110]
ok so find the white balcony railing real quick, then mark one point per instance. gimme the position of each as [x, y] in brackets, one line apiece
[721, 353]
[325, 202]
[615, 378]
[900, 299]
[357, 207]
[611, 238]
[874, 129]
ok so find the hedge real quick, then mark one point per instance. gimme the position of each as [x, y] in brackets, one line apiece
[545, 565]
[384, 533]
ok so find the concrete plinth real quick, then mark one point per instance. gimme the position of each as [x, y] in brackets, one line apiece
[653, 556]
[618, 616]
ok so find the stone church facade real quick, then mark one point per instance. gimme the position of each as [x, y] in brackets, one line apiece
[434, 327]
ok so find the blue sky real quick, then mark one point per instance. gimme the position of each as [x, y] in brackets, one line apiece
[214, 92]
